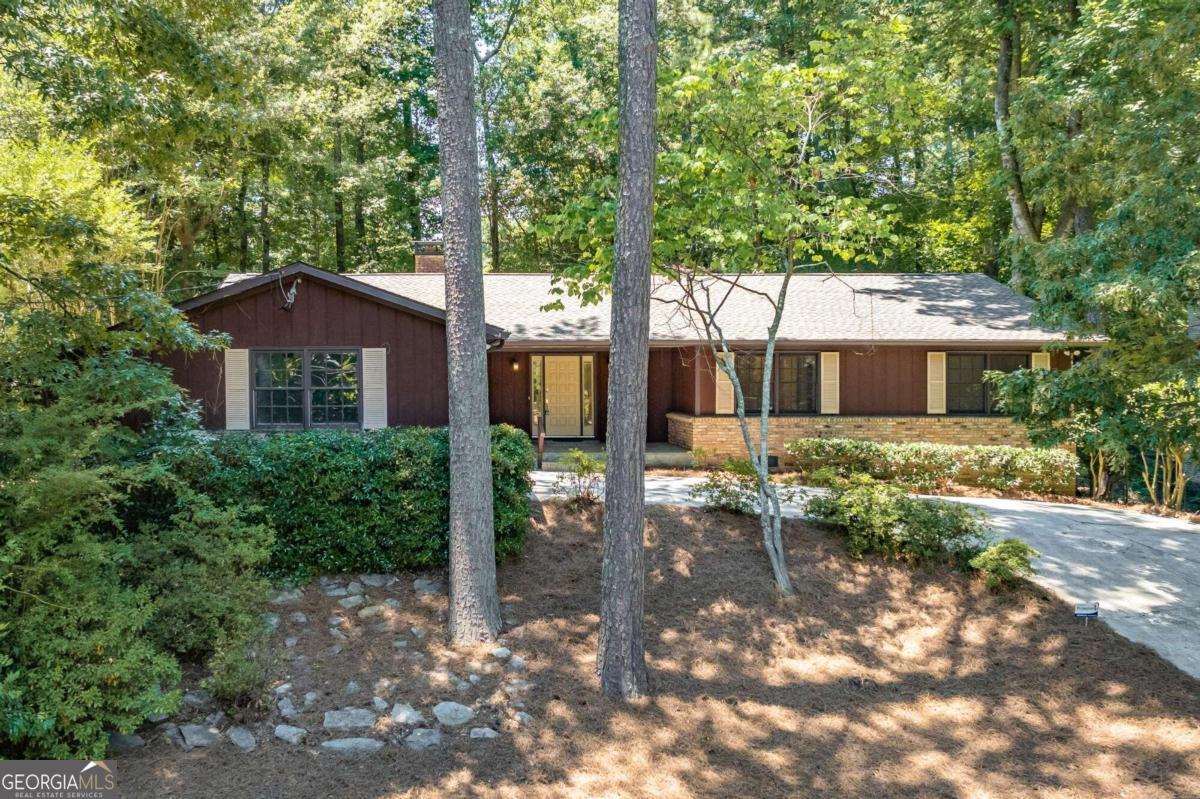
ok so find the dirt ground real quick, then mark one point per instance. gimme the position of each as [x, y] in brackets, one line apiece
[876, 681]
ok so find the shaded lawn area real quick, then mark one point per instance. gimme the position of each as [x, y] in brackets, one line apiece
[877, 680]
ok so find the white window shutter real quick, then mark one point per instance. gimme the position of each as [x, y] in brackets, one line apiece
[237, 389]
[831, 391]
[374, 376]
[726, 401]
[1040, 360]
[935, 373]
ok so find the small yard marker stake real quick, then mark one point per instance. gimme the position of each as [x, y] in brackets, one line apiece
[1087, 610]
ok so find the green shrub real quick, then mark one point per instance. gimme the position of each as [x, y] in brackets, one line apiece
[239, 670]
[869, 512]
[732, 488]
[928, 467]
[882, 519]
[582, 479]
[1005, 562]
[182, 564]
[342, 501]
[823, 477]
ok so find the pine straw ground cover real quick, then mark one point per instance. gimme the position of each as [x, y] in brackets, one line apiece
[876, 681]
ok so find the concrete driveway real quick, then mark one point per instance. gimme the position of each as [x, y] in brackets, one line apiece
[1144, 570]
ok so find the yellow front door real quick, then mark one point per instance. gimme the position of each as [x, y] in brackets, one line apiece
[564, 415]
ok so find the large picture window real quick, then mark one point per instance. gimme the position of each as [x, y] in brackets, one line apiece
[793, 380]
[295, 389]
[966, 391]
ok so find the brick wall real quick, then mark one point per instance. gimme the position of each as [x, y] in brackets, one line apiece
[720, 436]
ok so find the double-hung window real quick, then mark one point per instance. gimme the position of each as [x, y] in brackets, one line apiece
[793, 382]
[303, 388]
[966, 391]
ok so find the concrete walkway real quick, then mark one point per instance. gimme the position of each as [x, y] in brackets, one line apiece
[1144, 570]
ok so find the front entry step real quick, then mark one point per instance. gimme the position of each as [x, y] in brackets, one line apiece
[658, 456]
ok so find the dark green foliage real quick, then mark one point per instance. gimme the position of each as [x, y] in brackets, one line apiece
[934, 466]
[181, 562]
[882, 519]
[345, 501]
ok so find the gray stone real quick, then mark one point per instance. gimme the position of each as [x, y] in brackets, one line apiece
[336, 621]
[355, 587]
[352, 601]
[350, 718]
[242, 738]
[516, 663]
[423, 585]
[523, 718]
[170, 731]
[335, 591]
[400, 643]
[291, 641]
[119, 743]
[198, 699]
[517, 687]
[286, 708]
[353, 687]
[287, 596]
[293, 735]
[392, 603]
[296, 617]
[380, 627]
[214, 719]
[352, 746]
[380, 704]
[336, 649]
[271, 622]
[280, 690]
[474, 679]
[403, 713]
[376, 580]
[417, 632]
[484, 732]
[334, 632]
[310, 697]
[423, 739]
[501, 652]
[196, 736]
[371, 611]
[452, 714]
[157, 718]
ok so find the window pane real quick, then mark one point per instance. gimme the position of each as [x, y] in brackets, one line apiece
[964, 383]
[797, 383]
[333, 387]
[1003, 362]
[749, 371]
[278, 397]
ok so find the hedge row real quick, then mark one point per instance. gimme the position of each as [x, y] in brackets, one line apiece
[934, 466]
[348, 501]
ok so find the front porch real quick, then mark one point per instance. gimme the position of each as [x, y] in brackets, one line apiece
[658, 455]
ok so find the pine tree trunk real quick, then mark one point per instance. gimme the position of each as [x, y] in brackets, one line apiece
[410, 144]
[243, 228]
[339, 205]
[474, 605]
[1006, 59]
[621, 660]
[360, 218]
[264, 213]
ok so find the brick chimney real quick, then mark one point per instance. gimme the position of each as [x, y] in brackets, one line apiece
[429, 256]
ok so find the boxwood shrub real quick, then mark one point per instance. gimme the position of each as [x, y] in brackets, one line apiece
[935, 466]
[342, 501]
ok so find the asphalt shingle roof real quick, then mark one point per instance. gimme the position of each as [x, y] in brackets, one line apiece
[849, 308]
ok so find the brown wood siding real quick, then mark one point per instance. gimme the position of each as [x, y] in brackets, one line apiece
[886, 381]
[683, 380]
[660, 385]
[508, 388]
[324, 316]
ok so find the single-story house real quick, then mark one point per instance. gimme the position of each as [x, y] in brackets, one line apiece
[884, 356]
